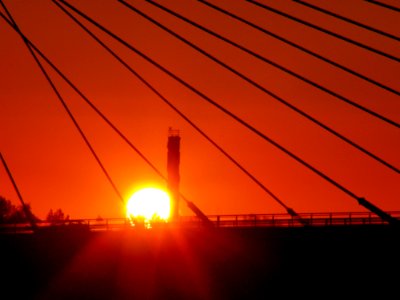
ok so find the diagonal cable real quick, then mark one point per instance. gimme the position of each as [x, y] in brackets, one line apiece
[263, 89]
[64, 104]
[286, 70]
[209, 100]
[173, 107]
[27, 211]
[190, 204]
[385, 5]
[343, 18]
[326, 31]
[301, 48]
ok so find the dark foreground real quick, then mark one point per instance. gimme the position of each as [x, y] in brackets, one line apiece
[235, 263]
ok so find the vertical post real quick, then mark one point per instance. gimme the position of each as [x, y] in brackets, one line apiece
[173, 161]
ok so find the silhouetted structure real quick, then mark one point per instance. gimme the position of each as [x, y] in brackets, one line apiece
[173, 169]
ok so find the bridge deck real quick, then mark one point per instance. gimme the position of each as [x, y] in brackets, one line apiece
[219, 221]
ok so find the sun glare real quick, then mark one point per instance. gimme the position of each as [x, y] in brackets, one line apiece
[148, 205]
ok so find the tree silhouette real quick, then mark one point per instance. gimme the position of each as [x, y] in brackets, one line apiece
[6, 210]
[9, 213]
[57, 217]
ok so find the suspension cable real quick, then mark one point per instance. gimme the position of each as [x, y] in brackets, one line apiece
[173, 107]
[65, 106]
[286, 70]
[263, 89]
[385, 5]
[340, 17]
[301, 48]
[328, 32]
[191, 205]
[25, 208]
[209, 100]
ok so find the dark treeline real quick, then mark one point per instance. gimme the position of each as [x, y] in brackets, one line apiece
[9, 213]
[12, 214]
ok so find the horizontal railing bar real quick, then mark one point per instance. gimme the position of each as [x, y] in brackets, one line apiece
[232, 220]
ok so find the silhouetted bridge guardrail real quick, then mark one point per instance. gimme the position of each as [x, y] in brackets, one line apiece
[219, 221]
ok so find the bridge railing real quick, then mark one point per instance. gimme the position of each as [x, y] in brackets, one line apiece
[286, 220]
[238, 220]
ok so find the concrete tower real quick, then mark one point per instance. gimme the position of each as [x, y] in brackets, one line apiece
[173, 170]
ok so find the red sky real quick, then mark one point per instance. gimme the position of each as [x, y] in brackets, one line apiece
[54, 169]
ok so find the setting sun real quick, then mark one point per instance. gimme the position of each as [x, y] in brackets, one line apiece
[148, 205]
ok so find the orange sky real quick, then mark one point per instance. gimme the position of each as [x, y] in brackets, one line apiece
[54, 169]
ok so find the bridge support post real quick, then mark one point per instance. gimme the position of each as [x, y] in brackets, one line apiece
[173, 161]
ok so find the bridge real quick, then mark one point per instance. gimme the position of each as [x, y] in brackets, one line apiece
[289, 107]
[365, 166]
[338, 219]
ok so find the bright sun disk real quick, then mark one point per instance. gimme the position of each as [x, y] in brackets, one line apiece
[149, 205]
